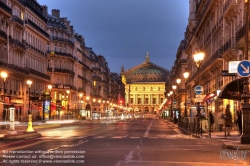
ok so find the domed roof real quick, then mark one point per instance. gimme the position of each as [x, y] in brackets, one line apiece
[148, 70]
[145, 72]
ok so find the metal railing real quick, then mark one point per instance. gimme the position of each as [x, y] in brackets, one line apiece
[193, 125]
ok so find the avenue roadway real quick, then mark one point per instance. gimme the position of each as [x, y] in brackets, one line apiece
[131, 142]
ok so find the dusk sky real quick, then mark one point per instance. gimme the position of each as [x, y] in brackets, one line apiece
[123, 31]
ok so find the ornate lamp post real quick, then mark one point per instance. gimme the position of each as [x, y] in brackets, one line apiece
[4, 75]
[171, 94]
[174, 87]
[50, 110]
[198, 58]
[30, 128]
[68, 92]
[185, 75]
[170, 105]
[245, 138]
[178, 81]
[80, 103]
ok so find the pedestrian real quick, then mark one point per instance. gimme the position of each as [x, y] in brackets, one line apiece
[210, 122]
[239, 120]
[211, 118]
[228, 120]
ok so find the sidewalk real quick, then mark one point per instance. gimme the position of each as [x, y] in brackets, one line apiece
[229, 142]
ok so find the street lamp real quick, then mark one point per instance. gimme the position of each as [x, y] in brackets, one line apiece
[50, 110]
[30, 128]
[4, 75]
[178, 81]
[68, 91]
[99, 101]
[171, 94]
[198, 58]
[245, 138]
[174, 88]
[80, 103]
[185, 75]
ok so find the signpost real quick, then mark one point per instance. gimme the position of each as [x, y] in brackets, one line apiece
[198, 90]
[243, 68]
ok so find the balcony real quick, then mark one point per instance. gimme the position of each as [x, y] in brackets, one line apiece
[36, 27]
[5, 9]
[62, 40]
[3, 36]
[17, 20]
[35, 49]
[38, 73]
[83, 78]
[13, 68]
[18, 45]
[64, 71]
[230, 8]
[240, 36]
[83, 64]
[229, 51]
[61, 54]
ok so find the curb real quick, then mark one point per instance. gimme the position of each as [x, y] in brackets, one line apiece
[46, 126]
[236, 146]
[24, 135]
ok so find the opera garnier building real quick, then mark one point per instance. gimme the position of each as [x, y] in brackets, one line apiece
[144, 87]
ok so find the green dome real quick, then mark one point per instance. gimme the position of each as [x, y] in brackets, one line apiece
[148, 70]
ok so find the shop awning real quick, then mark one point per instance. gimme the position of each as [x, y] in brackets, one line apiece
[232, 90]
[209, 97]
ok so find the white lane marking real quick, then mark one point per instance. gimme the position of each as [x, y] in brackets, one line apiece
[148, 129]
[99, 137]
[134, 137]
[153, 137]
[118, 137]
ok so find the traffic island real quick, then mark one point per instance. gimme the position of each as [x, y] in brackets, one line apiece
[24, 135]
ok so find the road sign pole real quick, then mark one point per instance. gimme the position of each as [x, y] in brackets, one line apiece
[245, 138]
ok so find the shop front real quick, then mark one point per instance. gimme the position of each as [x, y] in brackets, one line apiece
[230, 94]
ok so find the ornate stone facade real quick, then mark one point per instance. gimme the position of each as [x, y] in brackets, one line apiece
[145, 86]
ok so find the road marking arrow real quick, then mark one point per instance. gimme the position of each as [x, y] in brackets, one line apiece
[246, 69]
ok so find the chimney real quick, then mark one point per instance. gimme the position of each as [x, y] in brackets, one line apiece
[56, 13]
[71, 29]
[45, 10]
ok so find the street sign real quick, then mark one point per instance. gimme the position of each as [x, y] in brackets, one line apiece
[243, 68]
[226, 73]
[199, 98]
[232, 66]
[198, 90]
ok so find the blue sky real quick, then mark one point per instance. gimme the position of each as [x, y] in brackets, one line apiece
[123, 31]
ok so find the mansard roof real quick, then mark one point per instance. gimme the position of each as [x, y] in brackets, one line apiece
[146, 72]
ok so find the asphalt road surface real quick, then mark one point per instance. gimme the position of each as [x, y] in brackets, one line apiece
[132, 142]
